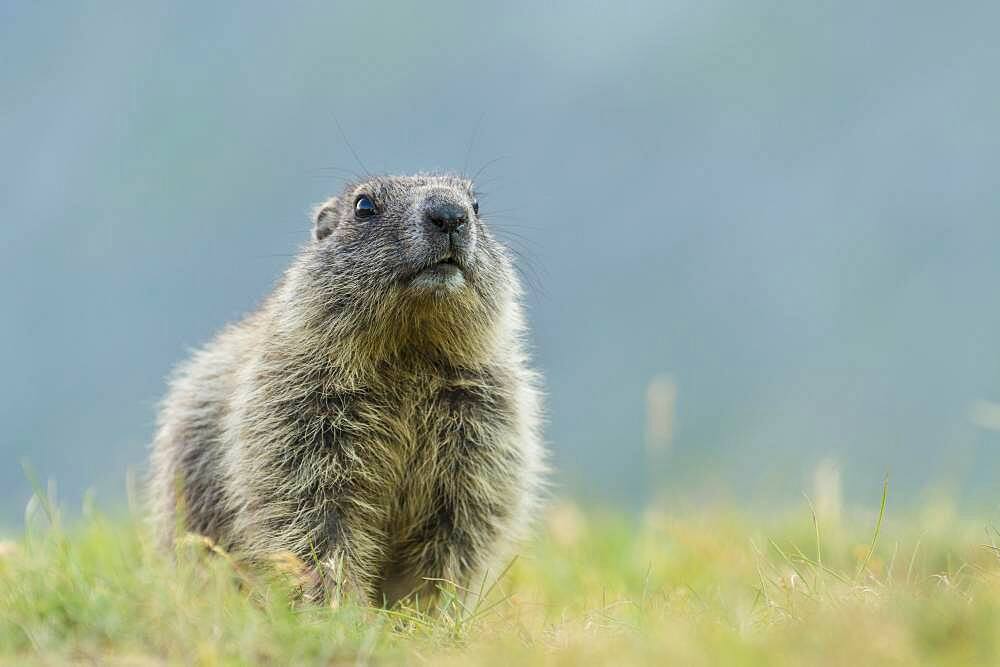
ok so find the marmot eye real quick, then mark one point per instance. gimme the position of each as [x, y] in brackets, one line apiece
[364, 207]
[475, 206]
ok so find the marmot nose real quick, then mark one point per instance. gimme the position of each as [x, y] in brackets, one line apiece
[445, 215]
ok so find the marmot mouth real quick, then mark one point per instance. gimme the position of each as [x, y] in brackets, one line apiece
[447, 263]
[446, 271]
[446, 266]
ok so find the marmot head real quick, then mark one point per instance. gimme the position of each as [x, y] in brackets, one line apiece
[411, 250]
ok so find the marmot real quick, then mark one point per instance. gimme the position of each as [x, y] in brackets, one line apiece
[376, 416]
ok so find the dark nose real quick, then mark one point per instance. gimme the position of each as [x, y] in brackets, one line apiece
[446, 215]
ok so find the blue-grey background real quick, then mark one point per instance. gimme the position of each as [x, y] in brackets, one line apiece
[790, 209]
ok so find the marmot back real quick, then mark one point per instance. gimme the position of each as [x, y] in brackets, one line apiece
[376, 415]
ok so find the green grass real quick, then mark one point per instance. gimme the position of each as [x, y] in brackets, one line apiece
[670, 587]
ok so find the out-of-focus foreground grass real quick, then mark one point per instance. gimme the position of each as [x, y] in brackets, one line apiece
[685, 587]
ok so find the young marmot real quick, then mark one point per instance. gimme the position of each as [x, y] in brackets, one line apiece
[376, 416]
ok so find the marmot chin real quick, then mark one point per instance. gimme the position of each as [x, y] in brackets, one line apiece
[377, 415]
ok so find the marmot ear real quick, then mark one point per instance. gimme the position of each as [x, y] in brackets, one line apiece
[324, 219]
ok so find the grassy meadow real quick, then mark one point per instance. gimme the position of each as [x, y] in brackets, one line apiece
[673, 586]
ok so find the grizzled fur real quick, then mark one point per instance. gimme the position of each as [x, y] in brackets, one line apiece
[376, 415]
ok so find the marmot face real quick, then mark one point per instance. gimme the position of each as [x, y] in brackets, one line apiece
[405, 265]
[421, 235]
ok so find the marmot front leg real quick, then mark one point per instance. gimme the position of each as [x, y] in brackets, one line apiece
[335, 579]
[344, 568]
[449, 549]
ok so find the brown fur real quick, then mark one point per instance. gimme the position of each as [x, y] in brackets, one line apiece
[366, 418]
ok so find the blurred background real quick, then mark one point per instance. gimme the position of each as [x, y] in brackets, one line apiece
[760, 239]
